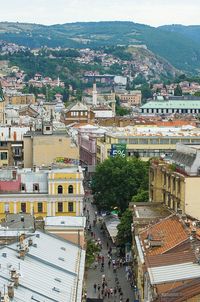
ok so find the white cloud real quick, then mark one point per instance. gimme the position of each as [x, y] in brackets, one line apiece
[153, 12]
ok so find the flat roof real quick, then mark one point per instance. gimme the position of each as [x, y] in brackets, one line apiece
[65, 221]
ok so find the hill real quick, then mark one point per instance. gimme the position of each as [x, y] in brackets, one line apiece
[179, 47]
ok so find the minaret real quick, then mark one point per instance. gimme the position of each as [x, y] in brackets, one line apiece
[94, 95]
[58, 82]
[2, 106]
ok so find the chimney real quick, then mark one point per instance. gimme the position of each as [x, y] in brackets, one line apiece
[13, 272]
[11, 290]
[15, 279]
[30, 242]
[9, 132]
[22, 254]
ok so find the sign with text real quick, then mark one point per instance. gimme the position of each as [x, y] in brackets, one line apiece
[118, 149]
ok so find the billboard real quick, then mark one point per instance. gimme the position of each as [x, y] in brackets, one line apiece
[118, 149]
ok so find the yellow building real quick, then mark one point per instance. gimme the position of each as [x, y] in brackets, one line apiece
[42, 192]
[42, 148]
[177, 183]
[20, 99]
[144, 141]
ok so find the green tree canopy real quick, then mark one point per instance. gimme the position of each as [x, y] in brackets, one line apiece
[124, 234]
[117, 180]
[178, 91]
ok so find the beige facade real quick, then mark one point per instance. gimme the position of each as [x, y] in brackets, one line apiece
[2, 111]
[43, 150]
[192, 193]
[21, 99]
[167, 186]
[131, 99]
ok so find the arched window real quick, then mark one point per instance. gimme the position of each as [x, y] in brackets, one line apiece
[70, 189]
[60, 189]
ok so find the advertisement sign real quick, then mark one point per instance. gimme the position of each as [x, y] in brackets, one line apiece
[67, 161]
[118, 149]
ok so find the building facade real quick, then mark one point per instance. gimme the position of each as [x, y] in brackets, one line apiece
[145, 142]
[42, 148]
[40, 192]
[171, 106]
[177, 183]
[133, 98]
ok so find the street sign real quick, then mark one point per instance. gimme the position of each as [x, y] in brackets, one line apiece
[118, 149]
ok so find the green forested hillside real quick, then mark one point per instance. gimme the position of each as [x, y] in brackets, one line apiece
[181, 47]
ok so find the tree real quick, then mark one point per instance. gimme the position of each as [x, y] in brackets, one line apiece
[146, 92]
[122, 111]
[117, 180]
[124, 234]
[142, 196]
[178, 91]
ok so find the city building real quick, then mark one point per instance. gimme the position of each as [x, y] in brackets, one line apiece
[171, 106]
[69, 228]
[77, 113]
[129, 99]
[2, 111]
[11, 145]
[145, 141]
[47, 146]
[176, 182]
[42, 192]
[42, 267]
[18, 98]
[166, 260]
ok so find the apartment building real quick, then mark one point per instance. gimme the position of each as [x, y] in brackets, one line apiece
[42, 192]
[132, 98]
[11, 145]
[177, 183]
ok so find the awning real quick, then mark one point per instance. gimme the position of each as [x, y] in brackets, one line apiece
[111, 223]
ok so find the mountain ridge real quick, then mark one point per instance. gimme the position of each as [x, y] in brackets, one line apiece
[178, 44]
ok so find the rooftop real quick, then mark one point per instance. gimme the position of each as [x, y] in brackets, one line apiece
[65, 221]
[52, 269]
[173, 104]
[170, 232]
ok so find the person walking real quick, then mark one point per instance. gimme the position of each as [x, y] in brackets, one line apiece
[99, 287]
[95, 287]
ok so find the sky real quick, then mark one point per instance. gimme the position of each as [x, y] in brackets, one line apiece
[151, 12]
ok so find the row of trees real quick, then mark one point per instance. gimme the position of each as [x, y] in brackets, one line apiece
[118, 181]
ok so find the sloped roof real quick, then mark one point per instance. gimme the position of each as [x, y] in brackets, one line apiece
[77, 106]
[52, 270]
[170, 231]
[180, 104]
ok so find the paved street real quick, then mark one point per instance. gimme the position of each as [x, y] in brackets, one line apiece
[95, 275]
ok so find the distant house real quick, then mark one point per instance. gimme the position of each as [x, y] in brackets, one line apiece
[77, 113]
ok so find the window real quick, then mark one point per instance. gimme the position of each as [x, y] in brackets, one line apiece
[70, 189]
[6, 208]
[47, 128]
[60, 207]
[3, 155]
[35, 187]
[70, 207]
[23, 207]
[60, 189]
[174, 183]
[23, 187]
[40, 207]
[14, 174]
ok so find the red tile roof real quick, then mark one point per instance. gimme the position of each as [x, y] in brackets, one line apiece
[170, 231]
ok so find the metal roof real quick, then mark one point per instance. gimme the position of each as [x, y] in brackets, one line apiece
[174, 273]
[52, 270]
[180, 104]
